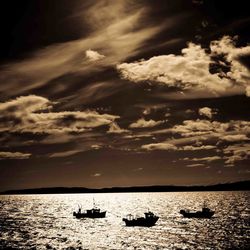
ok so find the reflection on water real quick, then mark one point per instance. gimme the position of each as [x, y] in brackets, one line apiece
[46, 221]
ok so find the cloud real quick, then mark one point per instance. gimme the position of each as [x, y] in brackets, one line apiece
[95, 92]
[159, 146]
[238, 73]
[114, 128]
[196, 127]
[248, 91]
[96, 175]
[64, 153]
[230, 161]
[93, 55]
[235, 153]
[137, 169]
[195, 165]
[191, 70]
[172, 145]
[194, 148]
[199, 132]
[146, 111]
[137, 136]
[142, 123]
[208, 159]
[55, 139]
[96, 146]
[233, 138]
[206, 112]
[151, 109]
[116, 30]
[238, 149]
[24, 115]
[28, 104]
[201, 135]
[224, 131]
[14, 155]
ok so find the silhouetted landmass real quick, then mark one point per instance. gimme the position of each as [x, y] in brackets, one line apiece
[242, 185]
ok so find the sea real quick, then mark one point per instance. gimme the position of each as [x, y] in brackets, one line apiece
[47, 222]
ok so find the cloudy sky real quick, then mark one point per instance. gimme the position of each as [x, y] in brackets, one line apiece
[119, 93]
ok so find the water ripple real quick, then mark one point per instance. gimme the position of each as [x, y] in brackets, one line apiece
[46, 221]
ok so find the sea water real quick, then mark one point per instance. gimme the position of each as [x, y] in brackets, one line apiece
[47, 222]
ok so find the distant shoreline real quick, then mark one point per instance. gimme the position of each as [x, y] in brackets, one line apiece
[235, 186]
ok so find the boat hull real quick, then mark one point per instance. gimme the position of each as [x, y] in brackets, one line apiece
[90, 215]
[200, 215]
[141, 222]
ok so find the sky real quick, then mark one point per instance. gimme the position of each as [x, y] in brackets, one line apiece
[124, 93]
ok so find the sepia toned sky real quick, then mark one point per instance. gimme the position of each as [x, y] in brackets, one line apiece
[124, 93]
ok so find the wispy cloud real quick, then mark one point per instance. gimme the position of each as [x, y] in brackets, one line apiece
[159, 146]
[195, 165]
[96, 175]
[116, 32]
[170, 145]
[236, 153]
[208, 159]
[195, 148]
[64, 153]
[234, 129]
[24, 115]
[235, 138]
[198, 135]
[137, 169]
[14, 155]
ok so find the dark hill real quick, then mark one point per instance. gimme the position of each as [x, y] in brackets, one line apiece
[242, 185]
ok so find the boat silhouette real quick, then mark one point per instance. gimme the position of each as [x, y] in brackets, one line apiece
[148, 221]
[90, 213]
[204, 213]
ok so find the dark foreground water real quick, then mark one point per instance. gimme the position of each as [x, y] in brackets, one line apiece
[46, 221]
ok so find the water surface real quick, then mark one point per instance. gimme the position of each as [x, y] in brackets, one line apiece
[46, 221]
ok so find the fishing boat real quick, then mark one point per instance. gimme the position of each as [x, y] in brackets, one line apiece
[148, 220]
[90, 213]
[204, 213]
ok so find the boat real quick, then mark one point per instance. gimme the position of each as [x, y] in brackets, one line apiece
[148, 221]
[90, 213]
[206, 213]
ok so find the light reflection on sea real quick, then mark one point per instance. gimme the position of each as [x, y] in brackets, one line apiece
[46, 221]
